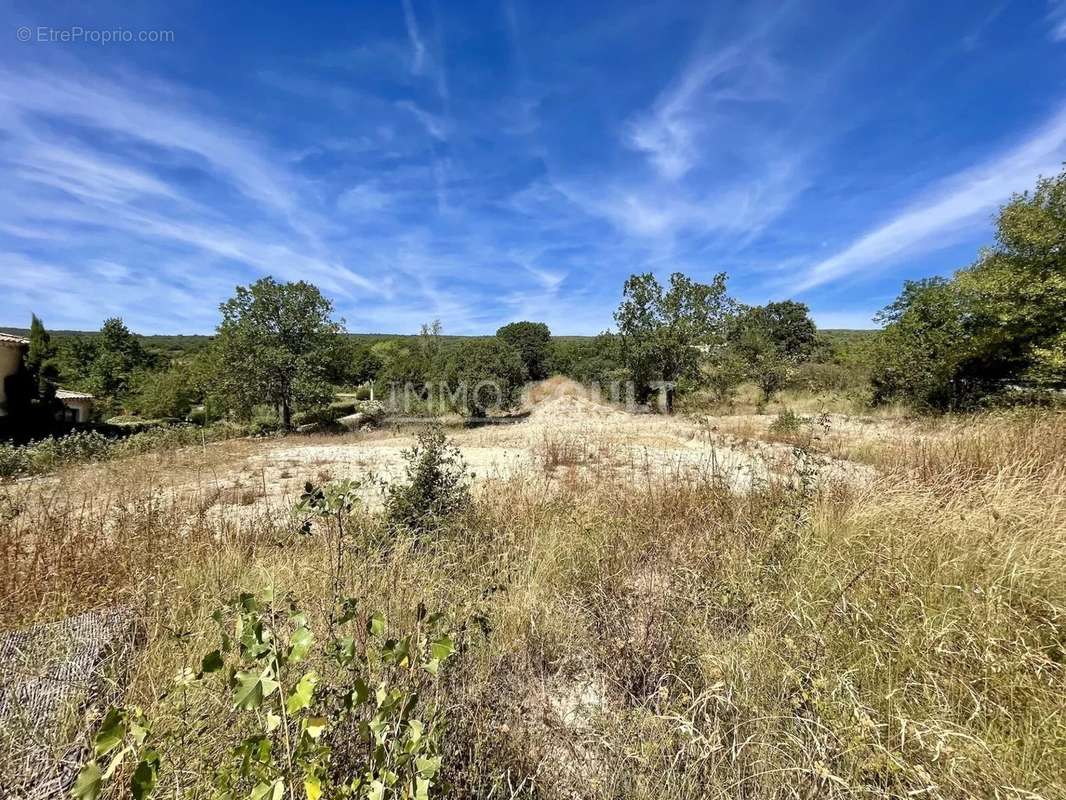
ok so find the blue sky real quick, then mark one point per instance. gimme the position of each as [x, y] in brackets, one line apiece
[481, 162]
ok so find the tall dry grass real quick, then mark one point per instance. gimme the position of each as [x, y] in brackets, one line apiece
[657, 636]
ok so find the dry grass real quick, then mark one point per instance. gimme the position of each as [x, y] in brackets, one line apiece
[652, 637]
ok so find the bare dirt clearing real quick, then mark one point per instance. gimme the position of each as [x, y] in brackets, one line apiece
[562, 434]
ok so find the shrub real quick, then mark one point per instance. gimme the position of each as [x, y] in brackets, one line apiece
[84, 446]
[14, 460]
[436, 486]
[787, 423]
[814, 377]
[488, 374]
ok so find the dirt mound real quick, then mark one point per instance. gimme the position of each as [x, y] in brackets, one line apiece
[568, 409]
[558, 400]
[552, 388]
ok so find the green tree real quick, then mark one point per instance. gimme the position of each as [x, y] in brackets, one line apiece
[355, 363]
[995, 325]
[276, 341]
[596, 360]
[787, 324]
[485, 374]
[920, 356]
[116, 357]
[40, 362]
[723, 373]
[1016, 291]
[168, 393]
[533, 342]
[664, 333]
[765, 363]
[770, 340]
[401, 365]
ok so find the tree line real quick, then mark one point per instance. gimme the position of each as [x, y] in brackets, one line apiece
[993, 332]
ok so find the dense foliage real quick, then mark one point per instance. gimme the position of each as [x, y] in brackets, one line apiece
[664, 332]
[276, 340]
[993, 330]
[532, 340]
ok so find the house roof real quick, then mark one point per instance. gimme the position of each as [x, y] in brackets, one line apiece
[10, 340]
[66, 394]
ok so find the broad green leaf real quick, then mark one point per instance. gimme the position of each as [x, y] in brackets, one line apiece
[421, 789]
[212, 662]
[360, 692]
[138, 733]
[376, 791]
[441, 648]
[432, 666]
[300, 697]
[428, 767]
[314, 726]
[111, 733]
[415, 728]
[249, 693]
[349, 606]
[87, 786]
[268, 791]
[312, 787]
[378, 727]
[376, 625]
[302, 639]
[145, 776]
[272, 721]
[114, 762]
[344, 650]
[396, 652]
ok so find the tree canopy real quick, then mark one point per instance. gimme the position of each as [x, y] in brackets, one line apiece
[664, 331]
[995, 326]
[486, 373]
[532, 340]
[277, 341]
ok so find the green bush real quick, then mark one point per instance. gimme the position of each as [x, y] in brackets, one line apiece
[816, 378]
[436, 486]
[14, 460]
[87, 446]
[326, 415]
[787, 423]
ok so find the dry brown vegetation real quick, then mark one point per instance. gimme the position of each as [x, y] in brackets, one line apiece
[649, 634]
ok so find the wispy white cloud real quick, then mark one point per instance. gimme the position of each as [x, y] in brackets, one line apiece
[423, 61]
[126, 199]
[1057, 18]
[434, 125]
[154, 117]
[674, 133]
[418, 47]
[950, 208]
[366, 198]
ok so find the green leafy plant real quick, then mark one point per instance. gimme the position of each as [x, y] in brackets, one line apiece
[349, 719]
[124, 735]
[787, 423]
[436, 486]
